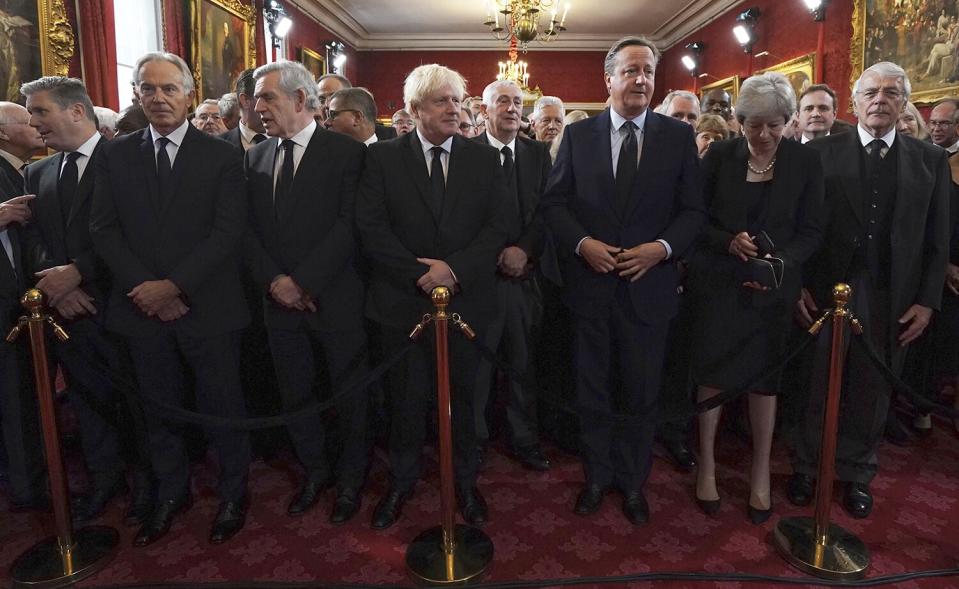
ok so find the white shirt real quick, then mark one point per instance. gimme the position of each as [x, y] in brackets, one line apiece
[246, 136]
[499, 145]
[300, 141]
[952, 149]
[85, 151]
[176, 140]
[865, 138]
[806, 140]
[444, 157]
[371, 139]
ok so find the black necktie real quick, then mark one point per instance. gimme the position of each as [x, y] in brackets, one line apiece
[507, 161]
[875, 151]
[69, 179]
[437, 179]
[285, 180]
[259, 138]
[164, 169]
[626, 166]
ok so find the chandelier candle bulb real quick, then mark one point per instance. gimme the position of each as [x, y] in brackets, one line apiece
[565, 12]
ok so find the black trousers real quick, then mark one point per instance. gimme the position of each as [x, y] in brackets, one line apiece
[412, 391]
[161, 364]
[20, 422]
[295, 357]
[676, 385]
[615, 453]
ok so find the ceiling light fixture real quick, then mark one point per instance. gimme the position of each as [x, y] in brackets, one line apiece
[521, 20]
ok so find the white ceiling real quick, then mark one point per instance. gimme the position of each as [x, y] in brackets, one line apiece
[458, 24]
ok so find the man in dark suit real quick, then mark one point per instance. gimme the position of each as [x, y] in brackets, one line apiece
[353, 113]
[168, 217]
[18, 409]
[76, 282]
[250, 130]
[887, 235]
[526, 165]
[429, 213]
[303, 255]
[329, 84]
[619, 230]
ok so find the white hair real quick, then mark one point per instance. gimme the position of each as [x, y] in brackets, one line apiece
[293, 76]
[664, 107]
[885, 69]
[490, 92]
[766, 95]
[229, 105]
[106, 117]
[428, 79]
[186, 77]
[544, 102]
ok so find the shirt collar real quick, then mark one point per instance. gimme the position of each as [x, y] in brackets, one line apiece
[427, 146]
[303, 137]
[618, 121]
[16, 162]
[89, 145]
[247, 134]
[176, 136]
[371, 139]
[499, 145]
[865, 138]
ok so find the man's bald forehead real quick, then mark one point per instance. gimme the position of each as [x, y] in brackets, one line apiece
[12, 110]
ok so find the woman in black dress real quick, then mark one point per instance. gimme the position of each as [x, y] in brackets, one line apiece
[753, 184]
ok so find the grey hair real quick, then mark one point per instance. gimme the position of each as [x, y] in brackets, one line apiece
[293, 76]
[766, 95]
[212, 101]
[489, 93]
[65, 92]
[609, 64]
[229, 105]
[106, 117]
[400, 113]
[186, 76]
[427, 79]
[357, 99]
[885, 69]
[545, 101]
[342, 79]
[664, 107]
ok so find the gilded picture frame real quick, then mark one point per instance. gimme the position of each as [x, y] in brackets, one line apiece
[314, 61]
[921, 40]
[730, 85]
[37, 40]
[222, 44]
[800, 71]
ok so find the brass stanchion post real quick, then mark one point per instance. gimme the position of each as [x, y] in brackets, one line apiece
[814, 545]
[450, 554]
[68, 557]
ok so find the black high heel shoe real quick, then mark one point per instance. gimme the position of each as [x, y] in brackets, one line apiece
[709, 506]
[758, 516]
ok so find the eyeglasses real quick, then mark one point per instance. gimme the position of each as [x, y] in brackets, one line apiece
[334, 113]
[941, 123]
[466, 126]
[208, 116]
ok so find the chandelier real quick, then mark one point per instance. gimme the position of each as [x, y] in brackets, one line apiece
[521, 20]
[517, 71]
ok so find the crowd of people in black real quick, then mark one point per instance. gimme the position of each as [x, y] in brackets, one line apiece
[278, 242]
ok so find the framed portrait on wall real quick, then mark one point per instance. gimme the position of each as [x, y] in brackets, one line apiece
[223, 44]
[921, 37]
[799, 71]
[730, 85]
[313, 61]
[36, 40]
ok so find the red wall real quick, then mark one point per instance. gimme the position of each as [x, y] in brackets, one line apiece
[574, 76]
[786, 30]
[306, 32]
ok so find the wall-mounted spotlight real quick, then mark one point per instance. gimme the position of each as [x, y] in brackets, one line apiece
[336, 54]
[817, 8]
[745, 28]
[691, 62]
[277, 20]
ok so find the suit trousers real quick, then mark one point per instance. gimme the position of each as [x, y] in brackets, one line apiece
[864, 403]
[161, 363]
[295, 357]
[614, 351]
[20, 422]
[412, 391]
[676, 387]
[514, 330]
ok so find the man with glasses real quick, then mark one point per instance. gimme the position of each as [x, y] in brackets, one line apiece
[207, 118]
[887, 235]
[168, 217]
[942, 125]
[352, 112]
[402, 122]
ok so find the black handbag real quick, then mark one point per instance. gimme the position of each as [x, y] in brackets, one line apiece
[765, 269]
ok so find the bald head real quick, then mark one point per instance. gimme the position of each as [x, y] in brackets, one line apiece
[17, 137]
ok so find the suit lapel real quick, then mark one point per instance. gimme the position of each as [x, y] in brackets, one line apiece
[148, 168]
[601, 137]
[911, 173]
[847, 161]
[48, 195]
[455, 172]
[415, 164]
[312, 165]
[523, 168]
[785, 182]
[648, 162]
[184, 157]
[85, 188]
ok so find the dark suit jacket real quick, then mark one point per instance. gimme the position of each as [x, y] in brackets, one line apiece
[52, 240]
[793, 219]
[398, 224]
[233, 136]
[12, 283]
[192, 238]
[383, 132]
[532, 165]
[314, 241]
[666, 203]
[920, 221]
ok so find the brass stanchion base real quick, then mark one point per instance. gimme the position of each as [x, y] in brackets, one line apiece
[844, 557]
[42, 566]
[428, 563]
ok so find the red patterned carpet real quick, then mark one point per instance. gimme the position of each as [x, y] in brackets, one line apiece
[915, 526]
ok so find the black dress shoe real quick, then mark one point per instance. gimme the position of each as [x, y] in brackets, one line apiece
[229, 520]
[857, 500]
[532, 458]
[141, 506]
[473, 506]
[307, 497]
[160, 520]
[800, 489]
[589, 500]
[93, 504]
[709, 506]
[345, 507]
[388, 509]
[758, 516]
[635, 508]
[680, 454]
